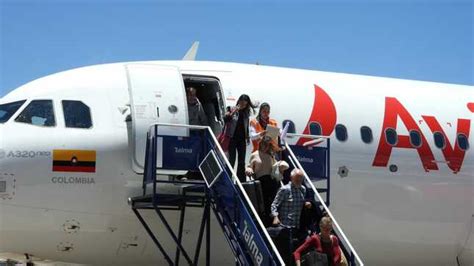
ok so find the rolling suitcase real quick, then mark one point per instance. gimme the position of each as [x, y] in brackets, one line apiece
[254, 192]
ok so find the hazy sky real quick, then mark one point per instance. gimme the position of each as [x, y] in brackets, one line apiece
[424, 40]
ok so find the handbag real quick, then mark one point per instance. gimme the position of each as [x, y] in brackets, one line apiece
[276, 175]
[275, 231]
[224, 139]
[314, 258]
[343, 259]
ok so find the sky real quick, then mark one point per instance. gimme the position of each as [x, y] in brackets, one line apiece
[419, 39]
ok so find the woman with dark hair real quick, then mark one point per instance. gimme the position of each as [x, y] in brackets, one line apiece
[237, 123]
[258, 126]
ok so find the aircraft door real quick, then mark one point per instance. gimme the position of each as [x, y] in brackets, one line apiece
[157, 95]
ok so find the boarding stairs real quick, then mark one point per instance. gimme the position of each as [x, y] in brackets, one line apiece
[172, 147]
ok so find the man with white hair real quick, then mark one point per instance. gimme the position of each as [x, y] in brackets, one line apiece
[286, 211]
[289, 201]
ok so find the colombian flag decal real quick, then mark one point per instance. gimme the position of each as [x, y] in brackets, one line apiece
[74, 161]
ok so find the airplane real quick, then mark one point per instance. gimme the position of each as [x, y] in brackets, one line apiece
[402, 183]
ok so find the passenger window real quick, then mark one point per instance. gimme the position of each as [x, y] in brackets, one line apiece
[315, 128]
[463, 142]
[38, 113]
[366, 134]
[415, 138]
[291, 126]
[8, 109]
[76, 114]
[341, 132]
[391, 136]
[439, 140]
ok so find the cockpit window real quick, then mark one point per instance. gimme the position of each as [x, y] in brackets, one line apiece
[8, 109]
[38, 113]
[77, 114]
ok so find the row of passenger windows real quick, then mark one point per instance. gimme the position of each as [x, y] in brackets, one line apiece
[390, 135]
[41, 113]
[78, 115]
[416, 141]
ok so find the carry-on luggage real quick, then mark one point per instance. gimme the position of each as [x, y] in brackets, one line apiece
[254, 192]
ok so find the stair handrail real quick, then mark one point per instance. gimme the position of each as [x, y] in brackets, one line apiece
[308, 180]
[234, 178]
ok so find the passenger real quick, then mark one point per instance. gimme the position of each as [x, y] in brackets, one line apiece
[286, 211]
[260, 166]
[258, 125]
[289, 201]
[197, 116]
[323, 242]
[237, 121]
[310, 218]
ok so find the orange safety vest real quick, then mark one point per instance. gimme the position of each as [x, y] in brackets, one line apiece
[259, 128]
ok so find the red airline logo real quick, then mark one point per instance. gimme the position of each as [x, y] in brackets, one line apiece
[324, 113]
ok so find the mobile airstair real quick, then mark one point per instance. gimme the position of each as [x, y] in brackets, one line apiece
[172, 147]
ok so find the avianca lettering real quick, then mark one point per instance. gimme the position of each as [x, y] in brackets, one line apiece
[454, 156]
[393, 110]
[324, 113]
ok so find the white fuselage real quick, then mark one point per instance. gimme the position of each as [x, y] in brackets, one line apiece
[411, 216]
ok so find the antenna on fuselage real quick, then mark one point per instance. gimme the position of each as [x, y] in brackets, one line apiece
[191, 54]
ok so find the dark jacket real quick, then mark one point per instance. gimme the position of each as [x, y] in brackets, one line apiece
[231, 123]
[309, 219]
